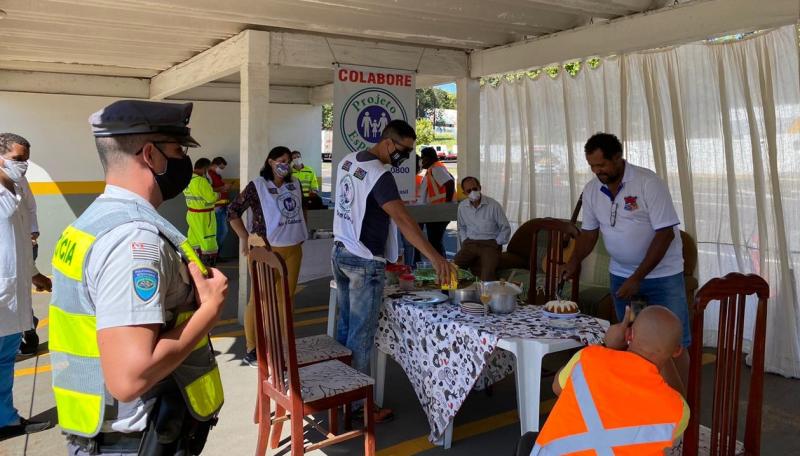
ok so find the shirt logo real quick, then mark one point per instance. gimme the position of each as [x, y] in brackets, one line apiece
[145, 283]
[630, 203]
[288, 205]
[346, 193]
[290, 187]
[360, 173]
[273, 191]
[346, 165]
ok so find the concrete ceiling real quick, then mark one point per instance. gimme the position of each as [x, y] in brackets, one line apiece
[141, 38]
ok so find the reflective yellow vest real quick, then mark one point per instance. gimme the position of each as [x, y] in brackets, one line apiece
[307, 178]
[82, 399]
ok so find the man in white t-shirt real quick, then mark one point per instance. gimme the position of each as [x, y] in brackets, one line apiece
[632, 208]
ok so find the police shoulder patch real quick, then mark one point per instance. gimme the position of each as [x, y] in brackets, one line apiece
[145, 283]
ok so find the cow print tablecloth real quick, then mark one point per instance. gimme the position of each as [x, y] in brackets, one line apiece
[446, 352]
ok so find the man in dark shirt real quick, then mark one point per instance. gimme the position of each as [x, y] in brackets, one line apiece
[367, 202]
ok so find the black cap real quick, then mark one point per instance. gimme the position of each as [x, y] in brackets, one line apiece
[131, 117]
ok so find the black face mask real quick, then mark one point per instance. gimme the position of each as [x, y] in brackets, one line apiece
[175, 178]
[399, 155]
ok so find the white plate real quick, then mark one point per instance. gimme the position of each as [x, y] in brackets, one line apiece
[425, 297]
[561, 315]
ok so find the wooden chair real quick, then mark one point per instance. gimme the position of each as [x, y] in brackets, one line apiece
[310, 349]
[731, 291]
[560, 234]
[302, 391]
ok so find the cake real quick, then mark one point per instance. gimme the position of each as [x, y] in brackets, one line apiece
[561, 307]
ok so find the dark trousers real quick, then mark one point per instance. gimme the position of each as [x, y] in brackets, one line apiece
[484, 254]
[435, 231]
[525, 444]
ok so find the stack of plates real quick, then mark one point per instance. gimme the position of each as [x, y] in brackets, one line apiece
[472, 308]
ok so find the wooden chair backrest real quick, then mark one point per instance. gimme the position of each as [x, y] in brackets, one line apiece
[559, 234]
[731, 291]
[275, 343]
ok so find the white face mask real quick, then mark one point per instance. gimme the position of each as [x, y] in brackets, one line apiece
[15, 170]
[298, 163]
[474, 195]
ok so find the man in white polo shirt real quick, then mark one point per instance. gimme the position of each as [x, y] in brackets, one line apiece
[632, 208]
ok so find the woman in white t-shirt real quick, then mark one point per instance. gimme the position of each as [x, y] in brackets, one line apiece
[276, 215]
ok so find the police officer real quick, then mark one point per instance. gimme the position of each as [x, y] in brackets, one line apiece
[133, 371]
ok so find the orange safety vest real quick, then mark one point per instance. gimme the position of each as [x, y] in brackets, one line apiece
[614, 403]
[436, 193]
[419, 186]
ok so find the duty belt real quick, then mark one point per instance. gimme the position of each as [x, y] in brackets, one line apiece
[107, 442]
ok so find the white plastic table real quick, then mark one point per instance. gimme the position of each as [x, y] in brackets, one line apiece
[528, 370]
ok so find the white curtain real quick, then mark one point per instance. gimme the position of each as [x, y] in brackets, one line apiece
[719, 122]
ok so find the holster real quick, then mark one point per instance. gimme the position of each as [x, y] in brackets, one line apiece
[172, 430]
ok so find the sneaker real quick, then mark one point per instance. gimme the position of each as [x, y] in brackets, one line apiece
[250, 359]
[24, 427]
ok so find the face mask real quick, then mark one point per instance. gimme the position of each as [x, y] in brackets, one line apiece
[398, 157]
[15, 170]
[474, 195]
[282, 169]
[298, 163]
[175, 178]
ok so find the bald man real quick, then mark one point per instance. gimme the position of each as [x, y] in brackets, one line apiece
[627, 395]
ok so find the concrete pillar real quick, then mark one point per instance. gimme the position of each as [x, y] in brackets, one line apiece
[469, 127]
[254, 138]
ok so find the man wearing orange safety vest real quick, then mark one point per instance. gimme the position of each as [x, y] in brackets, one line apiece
[438, 188]
[622, 399]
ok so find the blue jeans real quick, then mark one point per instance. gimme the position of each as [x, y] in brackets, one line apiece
[222, 225]
[669, 292]
[9, 345]
[359, 293]
[409, 251]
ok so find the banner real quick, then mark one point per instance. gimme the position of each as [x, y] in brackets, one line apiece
[365, 100]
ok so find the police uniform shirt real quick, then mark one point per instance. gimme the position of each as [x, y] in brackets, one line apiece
[134, 277]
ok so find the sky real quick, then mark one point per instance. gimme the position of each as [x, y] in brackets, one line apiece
[450, 87]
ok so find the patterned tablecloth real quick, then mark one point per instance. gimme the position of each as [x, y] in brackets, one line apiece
[445, 352]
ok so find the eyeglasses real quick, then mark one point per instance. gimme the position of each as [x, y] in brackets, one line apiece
[184, 149]
[403, 148]
[614, 208]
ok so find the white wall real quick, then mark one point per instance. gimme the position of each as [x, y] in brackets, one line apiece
[63, 147]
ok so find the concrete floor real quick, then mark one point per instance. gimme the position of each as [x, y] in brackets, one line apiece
[485, 425]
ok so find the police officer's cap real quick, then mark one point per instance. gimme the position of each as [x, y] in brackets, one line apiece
[133, 117]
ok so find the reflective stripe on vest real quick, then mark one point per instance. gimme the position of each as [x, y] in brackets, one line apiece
[81, 397]
[436, 193]
[597, 437]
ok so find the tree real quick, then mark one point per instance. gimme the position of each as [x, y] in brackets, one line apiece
[327, 116]
[431, 98]
[424, 131]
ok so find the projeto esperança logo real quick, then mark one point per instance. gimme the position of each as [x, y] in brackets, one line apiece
[365, 114]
